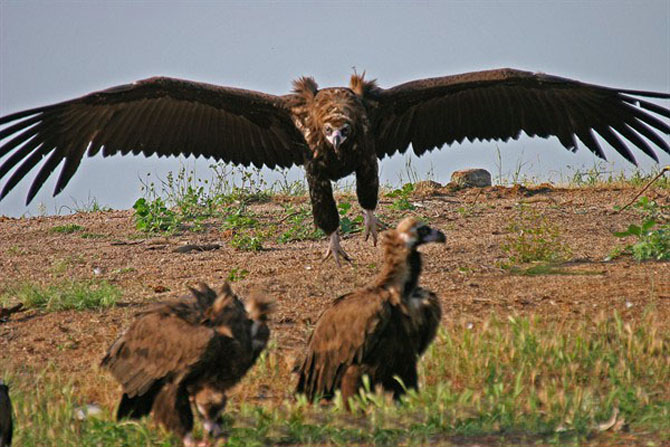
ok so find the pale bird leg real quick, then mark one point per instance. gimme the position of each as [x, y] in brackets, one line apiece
[335, 249]
[372, 224]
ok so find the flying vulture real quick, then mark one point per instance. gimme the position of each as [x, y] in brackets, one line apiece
[380, 330]
[193, 349]
[6, 426]
[332, 132]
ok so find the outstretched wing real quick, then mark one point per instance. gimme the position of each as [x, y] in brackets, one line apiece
[156, 346]
[499, 104]
[343, 336]
[160, 116]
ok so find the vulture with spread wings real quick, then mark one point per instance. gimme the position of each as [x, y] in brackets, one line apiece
[193, 349]
[380, 330]
[332, 132]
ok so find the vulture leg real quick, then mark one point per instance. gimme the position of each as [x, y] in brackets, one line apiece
[351, 382]
[324, 210]
[372, 224]
[335, 250]
[367, 189]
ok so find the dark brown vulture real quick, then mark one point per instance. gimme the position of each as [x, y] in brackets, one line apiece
[193, 349]
[6, 426]
[332, 132]
[380, 330]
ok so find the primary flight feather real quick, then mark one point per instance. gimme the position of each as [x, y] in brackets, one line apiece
[332, 132]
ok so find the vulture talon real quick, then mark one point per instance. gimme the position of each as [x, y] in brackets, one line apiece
[372, 225]
[335, 250]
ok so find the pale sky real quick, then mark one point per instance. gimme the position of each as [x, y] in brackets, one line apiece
[53, 51]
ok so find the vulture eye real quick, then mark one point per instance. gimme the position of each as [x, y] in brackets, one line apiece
[345, 130]
[329, 130]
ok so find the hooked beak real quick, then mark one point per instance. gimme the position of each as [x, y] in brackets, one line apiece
[336, 139]
[213, 428]
[434, 236]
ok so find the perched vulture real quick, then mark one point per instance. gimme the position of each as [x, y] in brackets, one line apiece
[332, 132]
[6, 426]
[379, 330]
[193, 349]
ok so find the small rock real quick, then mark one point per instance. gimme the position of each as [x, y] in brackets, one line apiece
[472, 178]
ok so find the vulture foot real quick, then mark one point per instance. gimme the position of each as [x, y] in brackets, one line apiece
[372, 224]
[335, 250]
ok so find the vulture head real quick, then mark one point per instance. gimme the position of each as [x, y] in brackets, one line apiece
[416, 233]
[210, 403]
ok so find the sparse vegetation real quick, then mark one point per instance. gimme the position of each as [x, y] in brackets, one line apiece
[247, 241]
[64, 295]
[532, 238]
[66, 229]
[237, 274]
[402, 196]
[652, 234]
[528, 380]
[301, 226]
[154, 216]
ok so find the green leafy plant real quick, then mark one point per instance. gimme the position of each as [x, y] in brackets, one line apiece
[300, 224]
[237, 274]
[239, 217]
[154, 216]
[532, 238]
[401, 196]
[653, 238]
[347, 224]
[247, 242]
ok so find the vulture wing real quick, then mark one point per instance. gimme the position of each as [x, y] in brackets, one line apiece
[160, 116]
[344, 335]
[157, 345]
[499, 104]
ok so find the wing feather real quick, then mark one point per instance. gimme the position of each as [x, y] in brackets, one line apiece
[156, 345]
[500, 104]
[345, 334]
[161, 116]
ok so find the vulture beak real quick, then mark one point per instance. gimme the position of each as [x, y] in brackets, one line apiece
[431, 235]
[213, 428]
[336, 138]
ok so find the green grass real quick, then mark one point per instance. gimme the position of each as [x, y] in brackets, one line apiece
[64, 295]
[530, 380]
[66, 229]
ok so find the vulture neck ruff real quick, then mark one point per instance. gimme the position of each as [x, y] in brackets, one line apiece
[397, 272]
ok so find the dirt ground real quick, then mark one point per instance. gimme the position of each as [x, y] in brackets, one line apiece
[465, 273]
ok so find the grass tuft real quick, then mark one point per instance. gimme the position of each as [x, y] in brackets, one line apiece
[65, 295]
[66, 229]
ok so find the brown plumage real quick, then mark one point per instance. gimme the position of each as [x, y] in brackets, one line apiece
[379, 330]
[332, 132]
[6, 425]
[194, 349]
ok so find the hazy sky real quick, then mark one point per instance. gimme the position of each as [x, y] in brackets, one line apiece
[53, 51]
